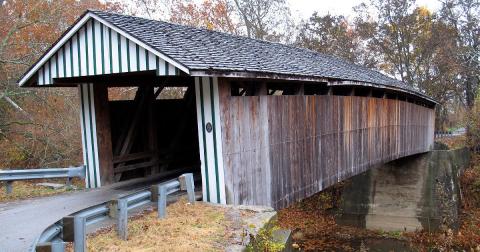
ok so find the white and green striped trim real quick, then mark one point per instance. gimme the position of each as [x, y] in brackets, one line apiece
[89, 136]
[210, 143]
[95, 47]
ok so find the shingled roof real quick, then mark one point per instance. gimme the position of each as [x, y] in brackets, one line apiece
[211, 51]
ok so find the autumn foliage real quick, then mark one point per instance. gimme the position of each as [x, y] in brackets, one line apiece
[38, 127]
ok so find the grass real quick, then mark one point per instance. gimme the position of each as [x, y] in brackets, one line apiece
[197, 227]
[453, 142]
[28, 189]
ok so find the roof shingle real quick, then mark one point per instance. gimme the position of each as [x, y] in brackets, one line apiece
[202, 49]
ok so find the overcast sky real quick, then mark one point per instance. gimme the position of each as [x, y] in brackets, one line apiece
[305, 8]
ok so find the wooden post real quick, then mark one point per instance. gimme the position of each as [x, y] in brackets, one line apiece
[50, 247]
[301, 89]
[262, 89]
[9, 186]
[162, 201]
[102, 115]
[330, 91]
[69, 182]
[122, 219]
[79, 234]
[186, 183]
[152, 129]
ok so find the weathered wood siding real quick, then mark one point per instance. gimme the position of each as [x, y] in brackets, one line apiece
[280, 149]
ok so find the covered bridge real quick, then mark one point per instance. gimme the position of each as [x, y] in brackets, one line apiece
[263, 123]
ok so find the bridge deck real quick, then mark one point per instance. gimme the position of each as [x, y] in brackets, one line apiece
[23, 221]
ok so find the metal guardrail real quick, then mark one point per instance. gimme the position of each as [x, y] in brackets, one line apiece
[73, 228]
[9, 176]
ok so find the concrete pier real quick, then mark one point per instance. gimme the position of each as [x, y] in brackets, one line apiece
[412, 193]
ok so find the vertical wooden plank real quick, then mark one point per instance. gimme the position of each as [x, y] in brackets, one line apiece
[104, 141]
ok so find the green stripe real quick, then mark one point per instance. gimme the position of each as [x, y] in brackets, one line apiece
[102, 49]
[177, 71]
[137, 51]
[128, 54]
[64, 62]
[200, 84]
[217, 177]
[43, 76]
[85, 136]
[91, 136]
[157, 65]
[94, 49]
[86, 50]
[119, 52]
[110, 49]
[166, 67]
[147, 63]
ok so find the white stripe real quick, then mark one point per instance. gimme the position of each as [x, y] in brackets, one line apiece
[90, 48]
[207, 108]
[115, 52]
[200, 137]
[123, 46]
[106, 50]
[76, 59]
[83, 56]
[143, 61]
[218, 132]
[84, 142]
[140, 43]
[88, 131]
[171, 69]
[98, 46]
[61, 54]
[133, 56]
[161, 62]
[47, 73]
[151, 61]
[95, 142]
[40, 76]
[68, 60]
[53, 65]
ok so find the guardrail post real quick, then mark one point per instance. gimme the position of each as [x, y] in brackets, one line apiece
[122, 218]
[69, 182]
[79, 234]
[9, 186]
[50, 247]
[162, 201]
[186, 183]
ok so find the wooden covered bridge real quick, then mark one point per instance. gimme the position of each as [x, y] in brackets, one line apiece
[263, 123]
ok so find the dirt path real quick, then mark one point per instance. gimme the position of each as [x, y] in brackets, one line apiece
[21, 222]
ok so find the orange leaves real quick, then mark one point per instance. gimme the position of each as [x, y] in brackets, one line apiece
[212, 15]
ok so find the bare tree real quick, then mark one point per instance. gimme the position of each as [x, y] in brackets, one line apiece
[264, 19]
[464, 17]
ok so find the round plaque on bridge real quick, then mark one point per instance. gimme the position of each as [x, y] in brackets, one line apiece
[209, 127]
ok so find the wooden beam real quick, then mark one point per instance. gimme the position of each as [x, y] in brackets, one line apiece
[136, 166]
[152, 140]
[262, 89]
[104, 141]
[132, 156]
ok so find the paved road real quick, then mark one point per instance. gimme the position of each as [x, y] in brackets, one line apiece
[21, 222]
